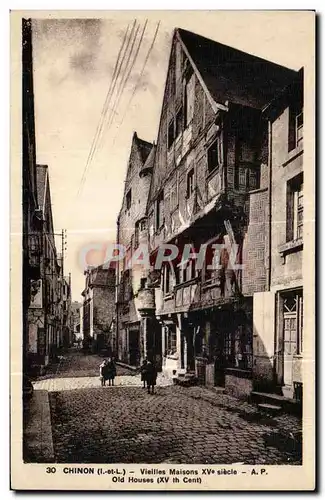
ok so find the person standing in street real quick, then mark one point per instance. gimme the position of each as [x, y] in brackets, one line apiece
[143, 371]
[151, 375]
[102, 373]
[110, 371]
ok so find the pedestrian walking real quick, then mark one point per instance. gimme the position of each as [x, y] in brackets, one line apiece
[151, 375]
[102, 373]
[110, 371]
[143, 371]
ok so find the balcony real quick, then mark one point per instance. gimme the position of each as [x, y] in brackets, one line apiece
[195, 294]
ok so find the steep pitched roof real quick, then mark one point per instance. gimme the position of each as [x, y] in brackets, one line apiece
[294, 91]
[143, 146]
[232, 75]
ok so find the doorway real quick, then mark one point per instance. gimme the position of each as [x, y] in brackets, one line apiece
[134, 347]
[292, 316]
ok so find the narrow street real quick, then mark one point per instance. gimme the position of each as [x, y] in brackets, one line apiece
[124, 424]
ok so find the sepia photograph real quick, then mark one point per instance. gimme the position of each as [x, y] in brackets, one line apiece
[164, 304]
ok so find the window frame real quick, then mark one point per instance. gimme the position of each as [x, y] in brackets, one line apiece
[171, 347]
[299, 127]
[295, 209]
[190, 182]
[142, 223]
[216, 141]
[295, 112]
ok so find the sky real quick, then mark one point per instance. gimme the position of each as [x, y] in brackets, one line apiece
[74, 62]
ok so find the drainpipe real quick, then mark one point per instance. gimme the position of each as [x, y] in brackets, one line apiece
[274, 369]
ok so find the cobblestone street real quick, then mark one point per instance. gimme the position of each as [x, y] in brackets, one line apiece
[124, 424]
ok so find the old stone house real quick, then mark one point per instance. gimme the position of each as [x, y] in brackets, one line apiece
[138, 334]
[45, 308]
[98, 306]
[279, 324]
[210, 186]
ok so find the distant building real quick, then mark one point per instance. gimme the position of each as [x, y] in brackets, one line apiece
[98, 307]
[138, 334]
[45, 309]
[81, 330]
[75, 321]
[67, 327]
[46, 293]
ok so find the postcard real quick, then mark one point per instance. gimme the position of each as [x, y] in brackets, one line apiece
[162, 250]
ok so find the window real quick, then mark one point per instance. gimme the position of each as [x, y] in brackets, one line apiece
[295, 208]
[300, 128]
[179, 122]
[167, 280]
[213, 156]
[185, 271]
[296, 121]
[190, 183]
[171, 339]
[128, 199]
[171, 134]
[247, 178]
[143, 225]
[160, 210]
[182, 272]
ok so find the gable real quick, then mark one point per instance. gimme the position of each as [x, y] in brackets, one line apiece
[186, 109]
[233, 75]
